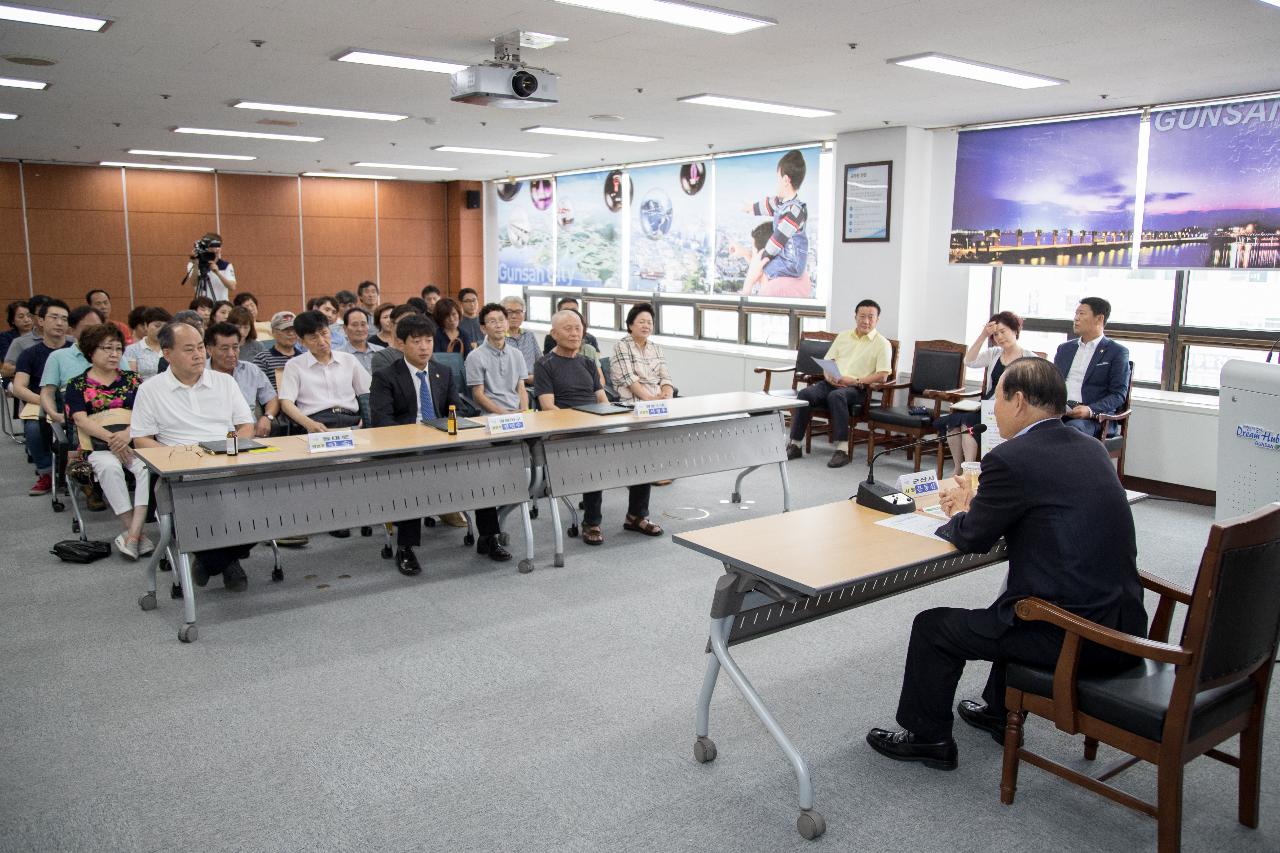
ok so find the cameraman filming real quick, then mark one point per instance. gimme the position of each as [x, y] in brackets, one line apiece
[222, 276]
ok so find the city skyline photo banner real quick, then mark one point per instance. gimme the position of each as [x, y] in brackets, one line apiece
[1052, 194]
[588, 224]
[1213, 187]
[670, 245]
[525, 233]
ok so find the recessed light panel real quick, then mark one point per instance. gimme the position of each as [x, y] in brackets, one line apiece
[365, 165]
[16, 83]
[146, 152]
[956, 67]
[392, 60]
[248, 134]
[459, 149]
[725, 21]
[756, 106]
[348, 175]
[317, 111]
[50, 18]
[591, 134]
[160, 166]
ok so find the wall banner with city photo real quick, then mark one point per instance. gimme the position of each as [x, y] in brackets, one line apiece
[589, 218]
[767, 223]
[1051, 194]
[1213, 187]
[670, 245]
[526, 238]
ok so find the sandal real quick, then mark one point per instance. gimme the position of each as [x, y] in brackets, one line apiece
[641, 525]
[591, 534]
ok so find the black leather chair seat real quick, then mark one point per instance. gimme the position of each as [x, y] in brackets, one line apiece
[900, 416]
[1114, 443]
[1137, 699]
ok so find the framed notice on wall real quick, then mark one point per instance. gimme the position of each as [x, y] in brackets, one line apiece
[867, 197]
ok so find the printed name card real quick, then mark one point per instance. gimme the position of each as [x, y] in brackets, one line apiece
[324, 442]
[502, 424]
[918, 485]
[650, 408]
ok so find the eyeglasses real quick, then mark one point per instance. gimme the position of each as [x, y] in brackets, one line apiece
[116, 350]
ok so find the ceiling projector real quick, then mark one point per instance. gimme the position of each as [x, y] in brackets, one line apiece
[505, 81]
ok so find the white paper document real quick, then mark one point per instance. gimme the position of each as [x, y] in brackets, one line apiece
[917, 523]
[828, 366]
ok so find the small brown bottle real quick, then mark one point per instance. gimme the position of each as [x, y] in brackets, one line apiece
[453, 420]
[233, 447]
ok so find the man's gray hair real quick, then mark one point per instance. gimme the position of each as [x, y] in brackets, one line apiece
[511, 300]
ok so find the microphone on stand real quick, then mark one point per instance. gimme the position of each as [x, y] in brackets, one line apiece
[883, 497]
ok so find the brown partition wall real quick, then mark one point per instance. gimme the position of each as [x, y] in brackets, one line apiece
[67, 229]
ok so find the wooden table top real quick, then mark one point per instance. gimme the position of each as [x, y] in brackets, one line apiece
[815, 549]
[170, 461]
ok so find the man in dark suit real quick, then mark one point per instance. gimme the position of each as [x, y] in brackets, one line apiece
[1054, 497]
[411, 390]
[1095, 368]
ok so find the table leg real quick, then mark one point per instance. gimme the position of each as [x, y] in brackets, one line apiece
[736, 497]
[559, 531]
[148, 601]
[526, 565]
[786, 487]
[187, 633]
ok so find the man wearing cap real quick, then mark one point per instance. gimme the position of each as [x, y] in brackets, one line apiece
[273, 358]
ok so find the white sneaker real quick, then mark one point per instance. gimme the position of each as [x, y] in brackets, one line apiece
[125, 547]
[145, 546]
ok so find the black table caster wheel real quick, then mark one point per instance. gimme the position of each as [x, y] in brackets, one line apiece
[366, 531]
[164, 565]
[277, 574]
[429, 522]
[59, 506]
[148, 601]
[175, 591]
[572, 531]
[735, 498]
[533, 512]
[704, 750]
[75, 525]
[468, 540]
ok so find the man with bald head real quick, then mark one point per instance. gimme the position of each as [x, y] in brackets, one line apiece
[565, 378]
[187, 404]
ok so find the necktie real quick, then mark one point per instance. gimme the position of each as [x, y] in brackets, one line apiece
[428, 409]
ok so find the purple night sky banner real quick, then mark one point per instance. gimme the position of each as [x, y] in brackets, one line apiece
[1213, 187]
[1073, 182]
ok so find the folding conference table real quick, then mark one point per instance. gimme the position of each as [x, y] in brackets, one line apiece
[786, 570]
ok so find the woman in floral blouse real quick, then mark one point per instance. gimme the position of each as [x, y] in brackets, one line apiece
[101, 388]
[639, 368]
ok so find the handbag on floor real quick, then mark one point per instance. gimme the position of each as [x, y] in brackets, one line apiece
[80, 550]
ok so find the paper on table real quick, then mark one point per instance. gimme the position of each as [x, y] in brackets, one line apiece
[917, 523]
[828, 366]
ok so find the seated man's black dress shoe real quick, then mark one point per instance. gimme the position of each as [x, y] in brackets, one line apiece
[492, 546]
[976, 714]
[407, 563]
[904, 746]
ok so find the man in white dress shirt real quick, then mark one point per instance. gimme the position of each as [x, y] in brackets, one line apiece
[320, 389]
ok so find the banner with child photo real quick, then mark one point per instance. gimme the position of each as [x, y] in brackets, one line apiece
[766, 222]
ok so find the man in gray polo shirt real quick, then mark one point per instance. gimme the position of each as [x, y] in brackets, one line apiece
[496, 369]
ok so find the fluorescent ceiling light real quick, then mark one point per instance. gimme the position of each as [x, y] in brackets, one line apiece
[156, 166]
[49, 18]
[459, 149]
[9, 116]
[684, 14]
[393, 60]
[15, 83]
[595, 134]
[317, 111]
[755, 106]
[956, 67]
[248, 134]
[1272, 2]
[148, 153]
[348, 175]
[406, 166]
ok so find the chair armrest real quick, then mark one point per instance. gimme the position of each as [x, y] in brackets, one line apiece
[886, 386]
[1170, 595]
[1117, 417]
[955, 395]
[773, 370]
[59, 433]
[1162, 586]
[1039, 610]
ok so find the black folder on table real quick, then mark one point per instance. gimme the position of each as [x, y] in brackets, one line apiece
[603, 408]
[220, 446]
[442, 424]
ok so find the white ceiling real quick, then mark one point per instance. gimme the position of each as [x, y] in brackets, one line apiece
[107, 87]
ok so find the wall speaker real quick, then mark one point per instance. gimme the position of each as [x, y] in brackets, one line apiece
[473, 199]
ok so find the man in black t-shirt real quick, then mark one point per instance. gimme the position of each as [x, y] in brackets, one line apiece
[54, 316]
[565, 378]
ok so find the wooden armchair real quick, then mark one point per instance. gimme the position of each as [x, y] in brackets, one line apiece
[805, 371]
[1115, 428]
[937, 370]
[1184, 699]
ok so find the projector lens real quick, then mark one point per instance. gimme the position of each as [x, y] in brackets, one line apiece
[523, 84]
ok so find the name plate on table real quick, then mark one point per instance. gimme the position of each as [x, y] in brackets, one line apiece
[502, 424]
[918, 485]
[650, 408]
[324, 442]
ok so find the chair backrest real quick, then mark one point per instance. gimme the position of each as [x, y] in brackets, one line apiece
[455, 362]
[108, 419]
[937, 366]
[1233, 624]
[609, 390]
[812, 345]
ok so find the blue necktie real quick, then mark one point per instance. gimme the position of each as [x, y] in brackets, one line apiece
[424, 397]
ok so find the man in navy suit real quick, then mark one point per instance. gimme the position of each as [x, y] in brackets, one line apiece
[1055, 498]
[409, 391]
[1095, 367]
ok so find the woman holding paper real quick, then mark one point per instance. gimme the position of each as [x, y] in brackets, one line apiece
[1000, 334]
[639, 367]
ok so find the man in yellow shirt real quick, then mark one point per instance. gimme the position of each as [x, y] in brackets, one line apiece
[863, 356]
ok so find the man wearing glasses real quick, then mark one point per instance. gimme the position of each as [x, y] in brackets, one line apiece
[222, 343]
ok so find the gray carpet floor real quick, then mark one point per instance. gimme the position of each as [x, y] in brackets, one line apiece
[472, 708]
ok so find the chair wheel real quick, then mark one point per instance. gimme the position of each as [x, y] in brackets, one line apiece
[366, 531]
[386, 552]
[572, 531]
[75, 525]
[810, 824]
[148, 601]
[526, 566]
[704, 750]
[428, 522]
[468, 540]
[164, 565]
[188, 633]
[277, 574]
[59, 506]
[175, 591]
[735, 498]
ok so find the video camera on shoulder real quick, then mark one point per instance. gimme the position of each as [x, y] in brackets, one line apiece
[203, 251]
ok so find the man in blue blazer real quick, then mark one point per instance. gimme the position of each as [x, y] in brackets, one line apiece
[1095, 367]
[1054, 497]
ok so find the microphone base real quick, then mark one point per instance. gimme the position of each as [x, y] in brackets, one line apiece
[884, 498]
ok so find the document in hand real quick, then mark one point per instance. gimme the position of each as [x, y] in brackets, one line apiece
[829, 366]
